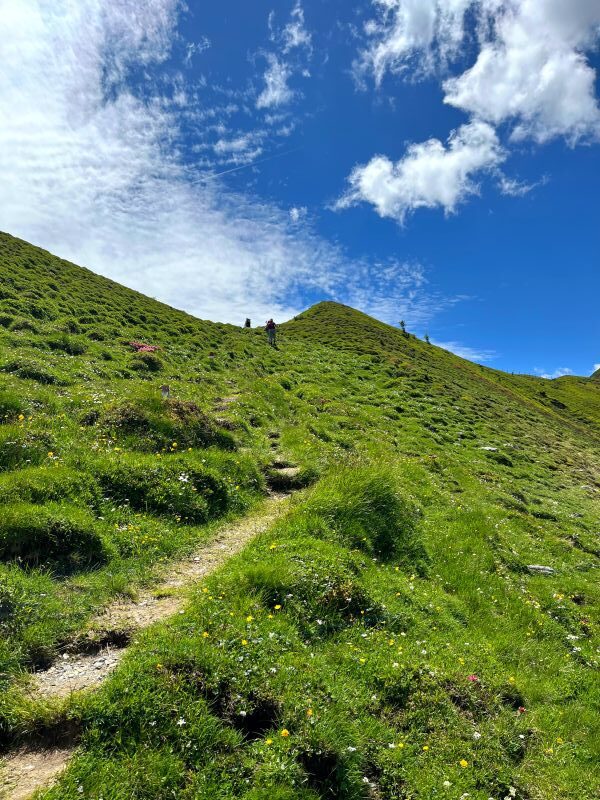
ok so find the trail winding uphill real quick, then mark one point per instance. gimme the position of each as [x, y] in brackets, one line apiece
[32, 767]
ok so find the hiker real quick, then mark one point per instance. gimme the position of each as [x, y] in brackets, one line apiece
[270, 328]
[248, 323]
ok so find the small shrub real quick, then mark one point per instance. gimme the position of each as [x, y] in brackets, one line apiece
[153, 424]
[146, 362]
[361, 508]
[175, 487]
[31, 370]
[10, 405]
[316, 581]
[59, 536]
[71, 326]
[23, 324]
[67, 344]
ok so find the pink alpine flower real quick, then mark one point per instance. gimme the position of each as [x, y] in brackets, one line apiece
[140, 347]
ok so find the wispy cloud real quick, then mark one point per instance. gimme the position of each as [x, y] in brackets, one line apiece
[560, 372]
[516, 188]
[276, 91]
[241, 149]
[95, 177]
[464, 351]
[294, 45]
[295, 35]
[193, 48]
[298, 213]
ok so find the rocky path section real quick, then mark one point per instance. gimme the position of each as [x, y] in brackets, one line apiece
[28, 769]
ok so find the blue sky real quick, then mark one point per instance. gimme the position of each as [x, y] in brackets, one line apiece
[435, 161]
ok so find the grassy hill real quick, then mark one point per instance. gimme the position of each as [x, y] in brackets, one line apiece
[387, 638]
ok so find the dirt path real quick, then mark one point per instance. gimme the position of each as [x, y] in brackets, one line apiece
[28, 769]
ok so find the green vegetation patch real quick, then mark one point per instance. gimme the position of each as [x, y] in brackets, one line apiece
[46, 483]
[361, 509]
[423, 624]
[186, 488]
[62, 537]
[11, 405]
[21, 447]
[150, 423]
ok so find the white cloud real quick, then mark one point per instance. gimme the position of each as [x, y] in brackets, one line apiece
[531, 66]
[516, 188]
[295, 34]
[464, 351]
[297, 213]
[596, 367]
[276, 91]
[535, 72]
[241, 149]
[94, 176]
[295, 48]
[196, 47]
[558, 373]
[394, 291]
[409, 34]
[429, 175]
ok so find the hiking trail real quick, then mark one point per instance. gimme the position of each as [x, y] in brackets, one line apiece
[33, 767]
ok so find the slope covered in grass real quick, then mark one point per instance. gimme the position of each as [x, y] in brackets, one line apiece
[387, 638]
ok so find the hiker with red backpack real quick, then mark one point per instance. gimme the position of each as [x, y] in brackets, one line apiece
[271, 328]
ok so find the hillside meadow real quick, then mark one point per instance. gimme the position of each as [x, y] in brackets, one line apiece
[391, 636]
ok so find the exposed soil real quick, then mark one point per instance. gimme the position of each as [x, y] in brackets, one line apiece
[28, 770]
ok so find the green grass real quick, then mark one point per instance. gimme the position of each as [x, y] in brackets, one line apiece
[389, 622]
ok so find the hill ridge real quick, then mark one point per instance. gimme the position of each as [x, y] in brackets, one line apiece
[388, 636]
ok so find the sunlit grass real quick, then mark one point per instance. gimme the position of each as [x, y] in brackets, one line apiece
[385, 639]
